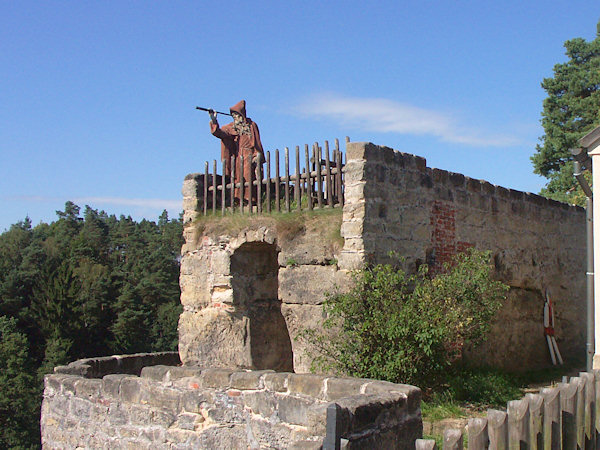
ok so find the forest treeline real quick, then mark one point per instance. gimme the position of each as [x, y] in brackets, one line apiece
[87, 284]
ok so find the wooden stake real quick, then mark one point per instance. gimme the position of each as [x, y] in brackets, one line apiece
[308, 182]
[319, 179]
[328, 176]
[268, 181]
[214, 186]
[242, 184]
[205, 188]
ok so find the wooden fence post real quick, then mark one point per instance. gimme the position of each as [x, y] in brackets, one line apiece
[328, 176]
[580, 411]
[319, 179]
[425, 444]
[453, 439]
[497, 429]
[552, 417]
[205, 188]
[308, 178]
[268, 185]
[287, 180]
[568, 406]
[596, 425]
[477, 432]
[589, 409]
[214, 187]
[259, 187]
[242, 183]
[518, 424]
[223, 190]
[298, 180]
[232, 194]
[250, 187]
[536, 421]
[277, 182]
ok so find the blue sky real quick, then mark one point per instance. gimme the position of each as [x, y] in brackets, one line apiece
[97, 98]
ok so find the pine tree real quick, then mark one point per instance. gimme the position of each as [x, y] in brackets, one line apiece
[571, 109]
[20, 393]
[78, 287]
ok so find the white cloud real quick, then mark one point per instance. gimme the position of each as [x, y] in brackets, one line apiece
[387, 116]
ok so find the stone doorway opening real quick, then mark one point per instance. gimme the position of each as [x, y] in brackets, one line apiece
[255, 270]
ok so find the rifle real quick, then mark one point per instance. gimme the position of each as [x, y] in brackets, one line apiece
[208, 110]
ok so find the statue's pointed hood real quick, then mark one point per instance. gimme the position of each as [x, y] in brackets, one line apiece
[240, 108]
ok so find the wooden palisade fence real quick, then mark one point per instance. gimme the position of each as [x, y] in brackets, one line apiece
[563, 417]
[319, 184]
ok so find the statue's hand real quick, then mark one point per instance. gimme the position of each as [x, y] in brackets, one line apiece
[213, 115]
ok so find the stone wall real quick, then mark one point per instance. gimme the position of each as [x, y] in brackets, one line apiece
[169, 407]
[394, 202]
[250, 285]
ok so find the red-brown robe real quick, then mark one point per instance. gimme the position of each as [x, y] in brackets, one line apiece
[234, 144]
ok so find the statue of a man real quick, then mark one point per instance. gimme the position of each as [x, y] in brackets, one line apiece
[239, 138]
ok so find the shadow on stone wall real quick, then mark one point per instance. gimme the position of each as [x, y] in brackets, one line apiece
[254, 270]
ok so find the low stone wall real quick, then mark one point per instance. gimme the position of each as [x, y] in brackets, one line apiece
[170, 407]
[122, 364]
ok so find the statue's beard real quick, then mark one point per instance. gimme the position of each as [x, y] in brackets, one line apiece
[242, 128]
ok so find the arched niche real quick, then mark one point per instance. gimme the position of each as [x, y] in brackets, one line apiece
[254, 271]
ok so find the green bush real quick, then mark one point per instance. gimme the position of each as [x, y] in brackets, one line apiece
[407, 328]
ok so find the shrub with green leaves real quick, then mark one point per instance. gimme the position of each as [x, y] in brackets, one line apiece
[408, 328]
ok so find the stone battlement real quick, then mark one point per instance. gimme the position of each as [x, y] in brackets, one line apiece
[192, 407]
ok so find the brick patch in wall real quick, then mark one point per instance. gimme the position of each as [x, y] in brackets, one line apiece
[443, 236]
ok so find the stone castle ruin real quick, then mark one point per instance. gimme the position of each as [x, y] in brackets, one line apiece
[251, 283]
[251, 290]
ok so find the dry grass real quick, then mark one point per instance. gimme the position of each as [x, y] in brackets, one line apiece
[324, 222]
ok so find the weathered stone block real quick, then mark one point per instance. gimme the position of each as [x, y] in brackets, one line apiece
[68, 384]
[293, 409]
[260, 402]
[316, 419]
[162, 417]
[213, 378]
[88, 387]
[176, 373]
[53, 384]
[162, 396]
[276, 382]
[214, 337]
[413, 394]
[248, 379]
[111, 385]
[336, 388]
[156, 373]
[308, 384]
[308, 284]
[366, 410]
[80, 408]
[131, 389]
[188, 421]
[297, 319]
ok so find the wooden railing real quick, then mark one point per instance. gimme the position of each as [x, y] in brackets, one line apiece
[563, 417]
[319, 184]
